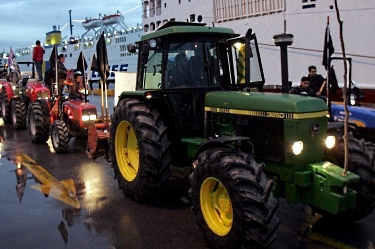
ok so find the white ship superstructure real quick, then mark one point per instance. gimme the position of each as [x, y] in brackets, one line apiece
[118, 35]
[306, 20]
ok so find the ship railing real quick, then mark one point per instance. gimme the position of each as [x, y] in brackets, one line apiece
[237, 9]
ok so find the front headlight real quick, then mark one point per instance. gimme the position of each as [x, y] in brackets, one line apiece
[297, 147]
[91, 117]
[353, 99]
[42, 95]
[330, 142]
[85, 118]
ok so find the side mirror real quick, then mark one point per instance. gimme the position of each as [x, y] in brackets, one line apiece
[132, 48]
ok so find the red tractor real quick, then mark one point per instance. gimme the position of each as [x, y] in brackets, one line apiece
[17, 93]
[61, 117]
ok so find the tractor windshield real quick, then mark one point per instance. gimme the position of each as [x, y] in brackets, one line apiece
[192, 64]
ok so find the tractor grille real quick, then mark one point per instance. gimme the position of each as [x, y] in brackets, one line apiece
[267, 135]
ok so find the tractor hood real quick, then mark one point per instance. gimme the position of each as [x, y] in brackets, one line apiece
[266, 104]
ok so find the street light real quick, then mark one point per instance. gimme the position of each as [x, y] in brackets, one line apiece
[284, 40]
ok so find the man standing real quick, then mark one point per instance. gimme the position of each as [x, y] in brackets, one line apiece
[317, 82]
[38, 59]
[61, 73]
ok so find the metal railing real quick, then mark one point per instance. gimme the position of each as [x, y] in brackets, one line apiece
[237, 9]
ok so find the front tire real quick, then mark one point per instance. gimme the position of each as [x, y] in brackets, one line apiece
[18, 110]
[60, 136]
[139, 149]
[38, 129]
[5, 107]
[362, 163]
[232, 200]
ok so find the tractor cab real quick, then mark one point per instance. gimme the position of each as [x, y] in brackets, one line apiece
[184, 69]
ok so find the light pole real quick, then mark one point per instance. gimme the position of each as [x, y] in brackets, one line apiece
[284, 40]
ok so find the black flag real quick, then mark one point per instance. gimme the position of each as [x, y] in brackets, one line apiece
[81, 63]
[328, 49]
[94, 64]
[53, 57]
[333, 80]
[102, 60]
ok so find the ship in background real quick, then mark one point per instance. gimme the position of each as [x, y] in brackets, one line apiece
[306, 20]
[117, 35]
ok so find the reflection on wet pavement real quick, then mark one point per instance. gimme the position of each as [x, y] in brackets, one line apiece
[62, 190]
[29, 218]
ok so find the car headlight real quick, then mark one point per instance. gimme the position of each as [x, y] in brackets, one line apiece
[330, 142]
[297, 147]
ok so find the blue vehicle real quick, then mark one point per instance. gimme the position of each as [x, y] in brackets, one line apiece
[361, 120]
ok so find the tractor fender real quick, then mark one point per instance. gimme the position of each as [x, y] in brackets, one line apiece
[225, 142]
[14, 98]
[335, 126]
[9, 90]
[338, 128]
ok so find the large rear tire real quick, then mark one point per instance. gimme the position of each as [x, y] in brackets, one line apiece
[362, 163]
[39, 131]
[5, 107]
[140, 149]
[19, 115]
[233, 201]
[60, 136]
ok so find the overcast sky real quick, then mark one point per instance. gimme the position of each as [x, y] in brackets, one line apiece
[25, 21]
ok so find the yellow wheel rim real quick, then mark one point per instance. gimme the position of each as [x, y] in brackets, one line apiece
[127, 153]
[216, 206]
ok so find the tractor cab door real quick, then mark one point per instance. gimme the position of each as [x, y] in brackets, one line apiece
[246, 70]
[191, 69]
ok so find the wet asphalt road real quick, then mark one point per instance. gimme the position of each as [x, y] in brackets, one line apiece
[106, 219]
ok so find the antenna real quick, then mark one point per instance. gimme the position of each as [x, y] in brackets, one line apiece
[70, 21]
[284, 16]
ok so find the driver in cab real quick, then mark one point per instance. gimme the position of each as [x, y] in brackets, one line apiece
[178, 75]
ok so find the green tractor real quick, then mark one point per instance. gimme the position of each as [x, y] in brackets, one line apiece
[245, 147]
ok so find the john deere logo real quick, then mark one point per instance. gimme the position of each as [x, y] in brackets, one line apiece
[314, 128]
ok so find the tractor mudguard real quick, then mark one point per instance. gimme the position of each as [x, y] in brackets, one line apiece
[92, 140]
[323, 186]
[335, 126]
[196, 145]
[97, 141]
[9, 91]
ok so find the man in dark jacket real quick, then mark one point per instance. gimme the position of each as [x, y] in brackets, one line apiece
[304, 88]
[317, 82]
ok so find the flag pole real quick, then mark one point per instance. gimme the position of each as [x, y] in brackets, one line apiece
[328, 34]
[102, 97]
[84, 76]
[106, 99]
